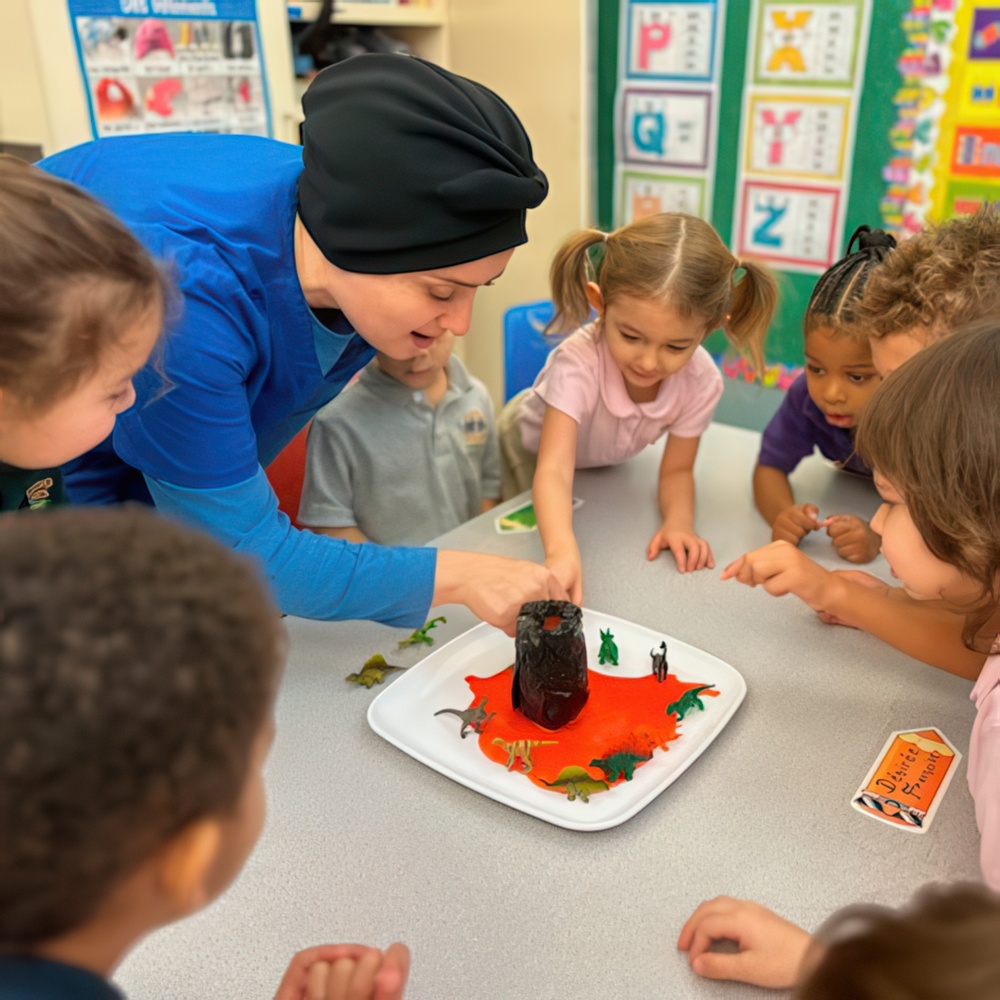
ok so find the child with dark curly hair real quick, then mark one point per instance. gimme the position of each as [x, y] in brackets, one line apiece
[138, 667]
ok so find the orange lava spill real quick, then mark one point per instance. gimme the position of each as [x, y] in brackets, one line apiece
[622, 714]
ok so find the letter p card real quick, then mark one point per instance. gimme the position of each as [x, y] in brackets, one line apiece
[908, 780]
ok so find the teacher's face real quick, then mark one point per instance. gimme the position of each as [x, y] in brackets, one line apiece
[401, 315]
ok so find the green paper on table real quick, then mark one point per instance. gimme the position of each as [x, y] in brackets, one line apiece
[522, 518]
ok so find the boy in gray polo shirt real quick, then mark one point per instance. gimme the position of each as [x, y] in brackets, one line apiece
[406, 453]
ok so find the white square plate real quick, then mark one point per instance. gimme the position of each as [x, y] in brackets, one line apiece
[403, 714]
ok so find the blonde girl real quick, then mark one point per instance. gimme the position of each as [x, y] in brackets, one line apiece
[659, 287]
[81, 307]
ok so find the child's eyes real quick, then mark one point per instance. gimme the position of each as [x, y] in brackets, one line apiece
[859, 379]
[629, 339]
[442, 298]
[815, 369]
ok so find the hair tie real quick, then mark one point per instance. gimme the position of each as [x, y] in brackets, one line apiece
[606, 235]
[739, 263]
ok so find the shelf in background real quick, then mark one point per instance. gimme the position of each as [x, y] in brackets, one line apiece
[377, 14]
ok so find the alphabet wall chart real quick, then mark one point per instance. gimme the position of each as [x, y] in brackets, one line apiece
[667, 107]
[803, 83]
[788, 123]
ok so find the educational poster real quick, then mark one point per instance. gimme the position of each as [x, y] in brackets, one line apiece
[801, 136]
[648, 194]
[171, 66]
[808, 43]
[791, 226]
[803, 83]
[666, 119]
[670, 40]
[967, 165]
[946, 140]
[667, 127]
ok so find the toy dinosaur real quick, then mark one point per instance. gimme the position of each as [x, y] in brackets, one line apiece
[373, 672]
[577, 783]
[419, 636]
[522, 749]
[472, 718]
[660, 667]
[688, 702]
[621, 764]
[608, 652]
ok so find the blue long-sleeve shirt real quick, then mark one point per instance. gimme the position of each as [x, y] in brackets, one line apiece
[244, 367]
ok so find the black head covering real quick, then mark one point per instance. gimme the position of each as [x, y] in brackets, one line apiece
[408, 167]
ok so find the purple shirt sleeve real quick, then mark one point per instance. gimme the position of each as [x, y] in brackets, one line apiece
[788, 437]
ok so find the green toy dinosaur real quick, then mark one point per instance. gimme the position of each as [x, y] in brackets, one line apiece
[472, 718]
[522, 749]
[419, 636]
[373, 672]
[577, 783]
[621, 764]
[688, 702]
[608, 652]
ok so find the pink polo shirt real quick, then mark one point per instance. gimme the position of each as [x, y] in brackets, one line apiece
[581, 379]
[984, 767]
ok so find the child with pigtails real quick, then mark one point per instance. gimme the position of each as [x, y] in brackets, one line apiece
[638, 371]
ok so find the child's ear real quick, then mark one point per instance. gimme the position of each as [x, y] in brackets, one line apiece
[594, 297]
[185, 865]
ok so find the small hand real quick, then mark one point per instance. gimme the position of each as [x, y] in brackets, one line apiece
[795, 522]
[346, 972]
[690, 551]
[771, 949]
[493, 587]
[567, 568]
[852, 538]
[852, 577]
[782, 569]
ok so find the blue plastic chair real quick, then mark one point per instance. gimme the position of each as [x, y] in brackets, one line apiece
[525, 346]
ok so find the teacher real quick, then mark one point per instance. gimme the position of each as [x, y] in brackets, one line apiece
[295, 264]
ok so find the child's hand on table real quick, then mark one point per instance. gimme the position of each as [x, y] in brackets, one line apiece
[346, 972]
[795, 522]
[853, 539]
[690, 551]
[780, 568]
[771, 949]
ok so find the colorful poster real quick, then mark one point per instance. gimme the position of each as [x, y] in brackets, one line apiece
[171, 66]
[803, 85]
[643, 194]
[670, 40]
[668, 128]
[946, 139]
[667, 106]
[808, 43]
[792, 225]
[804, 135]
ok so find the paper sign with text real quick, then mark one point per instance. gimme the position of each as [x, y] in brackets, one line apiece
[908, 780]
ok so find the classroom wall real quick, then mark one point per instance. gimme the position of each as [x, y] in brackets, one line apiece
[534, 54]
[22, 107]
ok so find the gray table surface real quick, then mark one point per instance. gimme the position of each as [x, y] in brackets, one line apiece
[365, 844]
